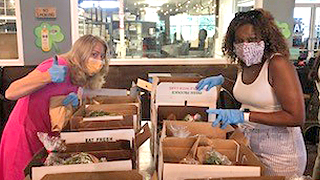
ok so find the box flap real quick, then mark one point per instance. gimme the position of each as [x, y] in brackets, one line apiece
[185, 94]
[196, 128]
[36, 161]
[124, 165]
[144, 84]
[141, 137]
[122, 109]
[245, 178]
[247, 157]
[98, 136]
[154, 176]
[177, 79]
[113, 100]
[238, 136]
[175, 171]
[104, 92]
[119, 175]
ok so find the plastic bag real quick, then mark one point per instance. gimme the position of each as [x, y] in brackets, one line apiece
[215, 158]
[179, 131]
[296, 177]
[81, 158]
[192, 118]
[189, 160]
[53, 145]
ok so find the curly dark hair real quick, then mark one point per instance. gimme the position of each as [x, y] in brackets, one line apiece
[264, 27]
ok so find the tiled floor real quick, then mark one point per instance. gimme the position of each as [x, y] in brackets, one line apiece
[146, 165]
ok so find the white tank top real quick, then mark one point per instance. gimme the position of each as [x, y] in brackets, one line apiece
[259, 95]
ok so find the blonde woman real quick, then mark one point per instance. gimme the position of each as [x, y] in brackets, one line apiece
[85, 65]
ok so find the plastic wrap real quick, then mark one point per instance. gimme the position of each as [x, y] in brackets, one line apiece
[215, 158]
[179, 131]
[296, 177]
[81, 158]
[56, 148]
[53, 145]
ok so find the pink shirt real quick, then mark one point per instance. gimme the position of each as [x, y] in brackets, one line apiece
[30, 115]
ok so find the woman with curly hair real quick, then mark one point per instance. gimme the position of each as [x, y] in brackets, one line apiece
[85, 65]
[268, 87]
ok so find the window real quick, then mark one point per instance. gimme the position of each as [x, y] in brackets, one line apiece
[161, 29]
[306, 29]
[10, 33]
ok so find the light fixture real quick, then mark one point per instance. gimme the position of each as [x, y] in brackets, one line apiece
[157, 3]
[102, 4]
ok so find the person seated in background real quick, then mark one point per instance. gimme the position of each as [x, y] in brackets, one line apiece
[177, 39]
[268, 87]
[85, 65]
[314, 75]
[202, 39]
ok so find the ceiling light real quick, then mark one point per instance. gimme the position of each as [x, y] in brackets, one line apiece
[102, 4]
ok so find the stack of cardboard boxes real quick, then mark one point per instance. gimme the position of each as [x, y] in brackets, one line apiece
[115, 138]
[178, 96]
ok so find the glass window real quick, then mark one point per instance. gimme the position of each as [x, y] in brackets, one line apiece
[8, 30]
[307, 1]
[153, 29]
[301, 26]
[316, 32]
[244, 5]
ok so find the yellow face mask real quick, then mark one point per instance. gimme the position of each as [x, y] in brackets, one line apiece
[94, 66]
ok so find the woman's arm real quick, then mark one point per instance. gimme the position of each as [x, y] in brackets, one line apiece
[34, 81]
[285, 82]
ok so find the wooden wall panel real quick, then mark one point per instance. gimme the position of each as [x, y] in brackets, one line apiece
[121, 77]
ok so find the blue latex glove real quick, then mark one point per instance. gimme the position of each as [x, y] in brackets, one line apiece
[57, 72]
[227, 116]
[71, 98]
[210, 82]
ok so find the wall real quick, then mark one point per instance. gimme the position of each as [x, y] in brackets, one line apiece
[121, 77]
[32, 54]
[226, 14]
[282, 12]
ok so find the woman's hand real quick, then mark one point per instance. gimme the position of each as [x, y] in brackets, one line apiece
[36, 80]
[72, 99]
[57, 72]
[227, 116]
[210, 82]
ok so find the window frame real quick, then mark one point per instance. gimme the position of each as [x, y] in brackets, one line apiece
[20, 60]
[142, 61]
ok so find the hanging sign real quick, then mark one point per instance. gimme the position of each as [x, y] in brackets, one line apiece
[47, 36]
[45, 12]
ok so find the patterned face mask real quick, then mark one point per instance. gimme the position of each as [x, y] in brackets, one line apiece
[250, 53]
[94, 66]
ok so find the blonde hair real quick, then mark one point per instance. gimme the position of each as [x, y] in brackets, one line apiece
[77, 57]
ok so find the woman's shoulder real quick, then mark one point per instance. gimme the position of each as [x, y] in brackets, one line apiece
[278, 60]
[46, 64]
[279, 64]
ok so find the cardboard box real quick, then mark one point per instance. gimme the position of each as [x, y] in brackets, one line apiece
[120, 154]
[129, 121]
[39, 172]
[246, 178]
[119, 175]
[178, 96]
[119, 100]
[104, 92]
[111, 175]
[173, 150]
